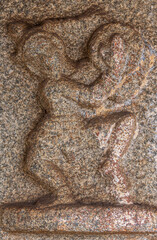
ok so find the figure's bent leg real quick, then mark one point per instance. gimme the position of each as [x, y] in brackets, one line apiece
[41, 164]
[118, 144]
[49, 175]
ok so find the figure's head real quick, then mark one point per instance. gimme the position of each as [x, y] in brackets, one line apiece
[115, 45]
[46, 49]
[42, 52]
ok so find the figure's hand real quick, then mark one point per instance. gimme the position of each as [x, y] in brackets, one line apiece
[106, 168]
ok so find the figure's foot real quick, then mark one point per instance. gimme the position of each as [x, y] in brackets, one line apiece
[120, 185]
[107, 168]
[62, 197]
[61, 201]
[45, 201]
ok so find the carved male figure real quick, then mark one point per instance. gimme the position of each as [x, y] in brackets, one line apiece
[89, 120]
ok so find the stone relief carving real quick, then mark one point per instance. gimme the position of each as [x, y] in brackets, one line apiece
[90, 114]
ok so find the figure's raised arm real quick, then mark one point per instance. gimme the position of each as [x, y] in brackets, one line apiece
[85, 96]
[131, 85]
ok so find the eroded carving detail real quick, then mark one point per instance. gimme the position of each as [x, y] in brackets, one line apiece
[89, 100]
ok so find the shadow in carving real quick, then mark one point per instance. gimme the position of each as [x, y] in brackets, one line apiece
[90, 74]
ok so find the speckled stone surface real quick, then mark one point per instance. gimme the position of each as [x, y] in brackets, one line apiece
[85, 219]
[20, 109]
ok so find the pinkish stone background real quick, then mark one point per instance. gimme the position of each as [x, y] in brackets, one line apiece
[20, 108]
